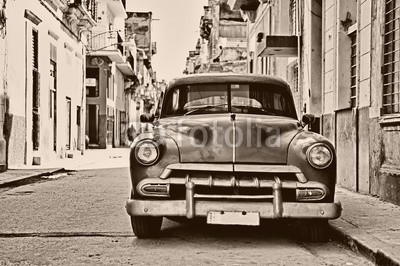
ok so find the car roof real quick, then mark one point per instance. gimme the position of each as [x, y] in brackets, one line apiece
[227, 77]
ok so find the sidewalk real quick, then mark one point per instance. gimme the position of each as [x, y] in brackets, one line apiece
[91, 159]
[367, 224]
[370, 226]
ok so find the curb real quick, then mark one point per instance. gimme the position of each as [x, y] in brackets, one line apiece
[16, 179]
[366, 244]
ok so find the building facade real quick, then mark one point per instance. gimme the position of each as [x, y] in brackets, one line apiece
[222, 46]
[360, 99]
[109, 66]
[146, 90]
[42, 61]
[346, 72]
[274, 46]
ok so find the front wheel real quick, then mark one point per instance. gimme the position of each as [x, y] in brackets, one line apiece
[146, 226]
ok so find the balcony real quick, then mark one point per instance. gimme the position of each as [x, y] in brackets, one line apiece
[108, 44]
[127, 66]
[111, 45]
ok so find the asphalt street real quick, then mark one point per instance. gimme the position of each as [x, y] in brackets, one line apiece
[80, 219]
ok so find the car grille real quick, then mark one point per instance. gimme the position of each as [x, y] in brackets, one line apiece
[232, 186]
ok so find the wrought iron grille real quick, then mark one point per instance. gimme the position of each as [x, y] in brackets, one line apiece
[391, 61]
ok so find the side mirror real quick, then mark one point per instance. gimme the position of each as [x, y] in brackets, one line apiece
[308, 119]
[312, 121]
[146, 118]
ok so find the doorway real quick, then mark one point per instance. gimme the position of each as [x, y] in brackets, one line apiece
[93, 123]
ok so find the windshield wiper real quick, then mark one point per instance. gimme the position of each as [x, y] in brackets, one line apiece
[253, 109]
[204, 108]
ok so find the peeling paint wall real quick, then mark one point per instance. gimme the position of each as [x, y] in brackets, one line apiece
[366, 141]
[19, 77]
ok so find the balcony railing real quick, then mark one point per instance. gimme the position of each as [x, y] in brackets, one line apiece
[106, 41]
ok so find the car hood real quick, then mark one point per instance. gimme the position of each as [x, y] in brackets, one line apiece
[210, 138]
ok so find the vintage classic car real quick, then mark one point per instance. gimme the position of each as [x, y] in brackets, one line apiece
[229, 148]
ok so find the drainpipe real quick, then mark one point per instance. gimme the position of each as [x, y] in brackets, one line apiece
[299, 66]
[83, 103]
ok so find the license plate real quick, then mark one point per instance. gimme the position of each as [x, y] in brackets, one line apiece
[233, 218]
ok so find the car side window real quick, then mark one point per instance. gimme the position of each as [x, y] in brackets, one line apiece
[279, 102]
[172, 102]
[175, 100]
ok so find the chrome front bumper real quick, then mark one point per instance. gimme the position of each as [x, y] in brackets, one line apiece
[197, 205]
[202, 208]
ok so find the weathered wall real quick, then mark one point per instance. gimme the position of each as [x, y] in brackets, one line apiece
[329, 127]
[375, 144]
[311, 65]
[363, 150]
[346, 148]
[366, 141]
[18, 72]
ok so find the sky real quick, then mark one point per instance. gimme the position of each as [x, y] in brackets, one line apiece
[175, 28]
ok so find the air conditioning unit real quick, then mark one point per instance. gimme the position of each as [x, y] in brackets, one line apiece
[277, 46]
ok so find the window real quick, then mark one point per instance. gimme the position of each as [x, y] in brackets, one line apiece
[53, 92]
[53, 88]
[35, 91]
[391, 60]
[353, 70]
[110, 125]
[68, 124]
[78, 116]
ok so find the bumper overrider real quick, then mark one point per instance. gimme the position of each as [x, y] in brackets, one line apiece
[265, 206]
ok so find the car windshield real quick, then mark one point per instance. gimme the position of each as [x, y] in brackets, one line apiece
[263, 99]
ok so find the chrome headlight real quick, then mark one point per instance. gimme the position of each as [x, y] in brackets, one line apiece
[319, 155]
[147, 152]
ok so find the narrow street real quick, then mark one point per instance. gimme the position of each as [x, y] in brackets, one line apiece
[80, 218]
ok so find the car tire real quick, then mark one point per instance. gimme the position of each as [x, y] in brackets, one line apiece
[314, 230]
[146, 227]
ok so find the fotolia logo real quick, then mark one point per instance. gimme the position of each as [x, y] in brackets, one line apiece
[251, 133]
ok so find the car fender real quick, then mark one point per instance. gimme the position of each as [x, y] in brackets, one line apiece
[297, 156]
